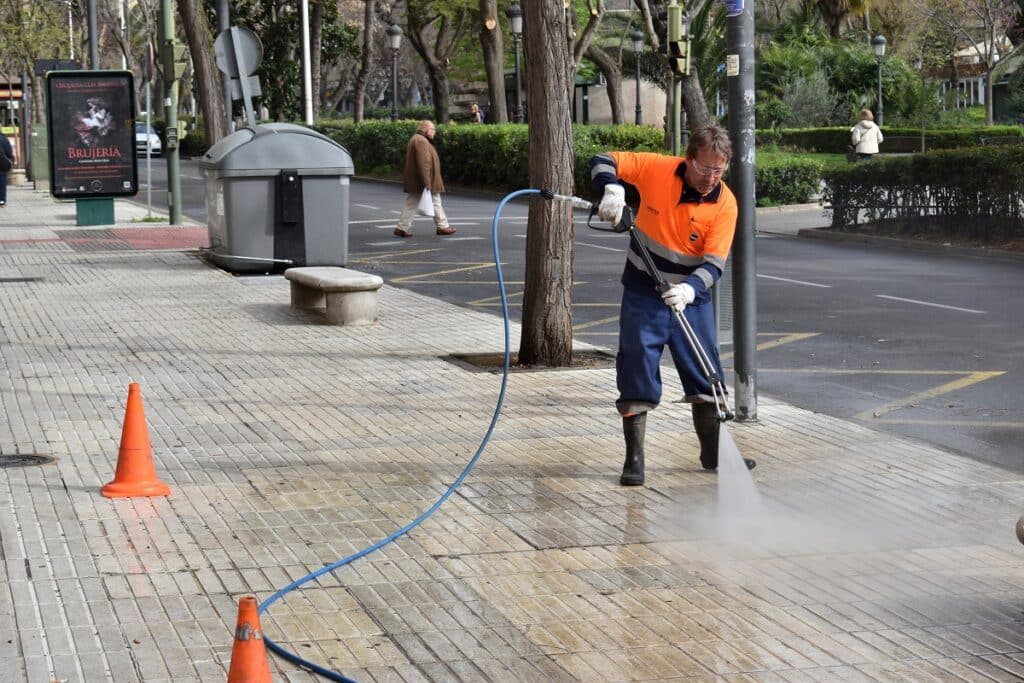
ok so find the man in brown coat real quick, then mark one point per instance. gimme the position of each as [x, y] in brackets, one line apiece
[422, 171]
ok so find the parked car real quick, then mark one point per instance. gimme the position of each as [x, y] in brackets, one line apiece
[146, 140]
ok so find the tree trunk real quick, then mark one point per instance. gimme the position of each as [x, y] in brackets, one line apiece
[696, 106]
[547, 300]
[613, 75]
[494, 61]
[439, 86]
[435, 38]
[365, 58]
[316, 35]
[989, 114]
[210, 92]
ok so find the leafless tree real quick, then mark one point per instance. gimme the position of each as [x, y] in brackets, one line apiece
[982, 26]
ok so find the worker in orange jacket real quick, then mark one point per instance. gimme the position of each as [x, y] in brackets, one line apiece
[686, 219]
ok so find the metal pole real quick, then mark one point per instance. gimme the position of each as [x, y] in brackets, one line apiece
[881, 108]
[639, 111]
[519, 82]
[394, 84]
[739, 41]
[170, 101]
[922, 108]
[223, 23]
[307, 79]
[149, 146]
[94, 47]
[123, 28]
[71, 34]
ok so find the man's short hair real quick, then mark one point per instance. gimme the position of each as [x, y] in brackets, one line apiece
[712, 138]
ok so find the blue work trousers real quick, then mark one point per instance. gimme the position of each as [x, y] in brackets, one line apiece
[646, 325]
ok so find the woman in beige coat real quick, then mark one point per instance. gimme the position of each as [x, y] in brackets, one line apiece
[422, 172]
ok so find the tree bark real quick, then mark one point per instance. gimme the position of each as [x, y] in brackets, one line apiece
[435, 36]
[199, 37]
[547, 300]
[316, 34]
[697, 115]
[365, 57]
[613, 74]
[493, 47]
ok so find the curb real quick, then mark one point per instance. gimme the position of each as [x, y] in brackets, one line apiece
[930, 247]
[789, 208]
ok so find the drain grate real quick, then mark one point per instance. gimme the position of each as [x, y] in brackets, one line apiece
[25, 460]
[5, 280]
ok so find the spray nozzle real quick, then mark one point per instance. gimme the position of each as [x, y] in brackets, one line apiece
[577, 202]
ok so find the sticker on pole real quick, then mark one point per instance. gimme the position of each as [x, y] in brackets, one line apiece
[733, 8]
[732, 65]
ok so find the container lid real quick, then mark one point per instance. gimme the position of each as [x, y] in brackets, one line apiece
[276, 146]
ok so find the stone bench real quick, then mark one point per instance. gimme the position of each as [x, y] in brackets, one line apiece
[350, 296]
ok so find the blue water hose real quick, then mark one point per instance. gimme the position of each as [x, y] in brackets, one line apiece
[333, 675]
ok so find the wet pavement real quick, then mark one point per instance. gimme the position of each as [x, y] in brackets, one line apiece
[289, 444]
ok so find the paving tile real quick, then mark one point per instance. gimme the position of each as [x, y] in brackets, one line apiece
[289, 445]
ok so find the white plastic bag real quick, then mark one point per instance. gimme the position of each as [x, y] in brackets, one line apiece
[426, 206]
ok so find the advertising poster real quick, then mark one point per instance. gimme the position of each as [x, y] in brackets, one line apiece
[91, 121]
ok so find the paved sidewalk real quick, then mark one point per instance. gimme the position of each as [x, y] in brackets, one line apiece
[289, 444]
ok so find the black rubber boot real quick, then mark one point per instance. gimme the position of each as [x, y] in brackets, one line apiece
[705, 423]
[634, 427]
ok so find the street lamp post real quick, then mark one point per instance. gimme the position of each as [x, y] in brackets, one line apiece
[638, 50]
[395, 41]
[919, 65]
[515, 21]
[878, 45]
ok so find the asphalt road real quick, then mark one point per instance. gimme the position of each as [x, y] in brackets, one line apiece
[915, 343]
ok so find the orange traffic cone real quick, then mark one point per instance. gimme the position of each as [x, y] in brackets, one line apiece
[248, 655]
[136, 474]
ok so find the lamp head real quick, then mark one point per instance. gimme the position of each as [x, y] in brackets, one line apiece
[515, 18]
[878, 45]
[394, 36]
[638, 41]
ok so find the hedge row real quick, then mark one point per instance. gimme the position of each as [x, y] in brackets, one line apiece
[897, 140]
[496, 156]
[973, 193]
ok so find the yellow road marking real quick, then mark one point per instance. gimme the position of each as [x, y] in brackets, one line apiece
[594, 323]
[784, 339]
[954, 423]
[495, 300]
[465, 269]
[385, 254]
[971, 378]
[867, 371]
[467, 282]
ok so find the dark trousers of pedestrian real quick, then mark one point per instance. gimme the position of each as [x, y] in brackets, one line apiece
[3, 189]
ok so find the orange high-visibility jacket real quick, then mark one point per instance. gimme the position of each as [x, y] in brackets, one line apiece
[689, 236]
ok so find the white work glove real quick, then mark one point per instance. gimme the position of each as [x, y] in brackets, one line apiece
[612, 203]
[678, 296]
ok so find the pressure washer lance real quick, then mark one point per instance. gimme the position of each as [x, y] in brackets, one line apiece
[626, 224]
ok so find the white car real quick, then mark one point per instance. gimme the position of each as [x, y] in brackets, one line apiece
[146, 140]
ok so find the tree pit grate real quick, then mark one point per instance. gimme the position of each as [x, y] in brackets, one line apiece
[25, 460]
[495, 362]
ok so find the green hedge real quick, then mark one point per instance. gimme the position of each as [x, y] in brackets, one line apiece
[973, 193]
[496, 156]
[897, 140]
